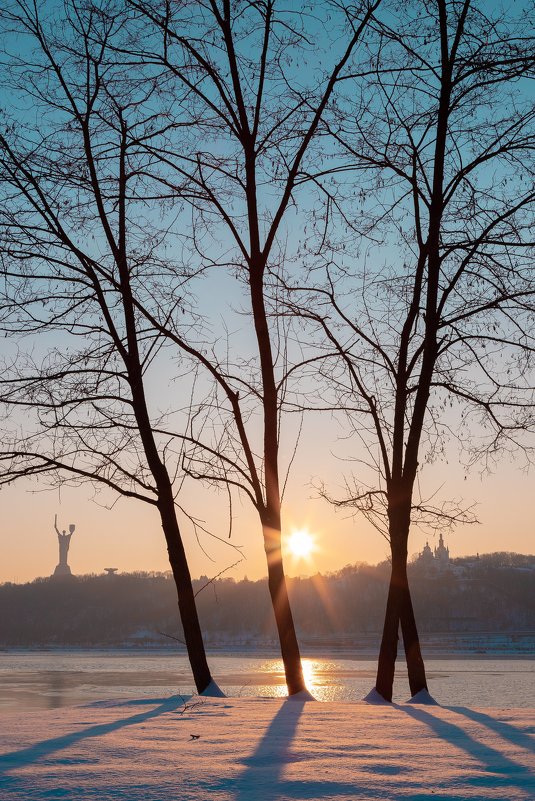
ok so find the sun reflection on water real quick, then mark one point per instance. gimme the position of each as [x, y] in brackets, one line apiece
[319, 676]
[309, 673]
[322, 679]
[316, 675]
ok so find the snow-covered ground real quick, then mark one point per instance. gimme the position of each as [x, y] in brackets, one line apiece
[252, 749]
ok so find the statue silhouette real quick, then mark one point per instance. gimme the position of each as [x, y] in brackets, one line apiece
[64, 540]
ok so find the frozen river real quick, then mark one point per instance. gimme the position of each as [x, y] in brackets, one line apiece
[51, 679]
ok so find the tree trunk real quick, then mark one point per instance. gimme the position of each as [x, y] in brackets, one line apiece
[399, 609]
[389, 642]
[270, 513]
[411, 642]
[186, 599]
[166, 506]
[278, 590]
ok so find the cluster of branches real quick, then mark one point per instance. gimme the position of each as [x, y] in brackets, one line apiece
[158, 156]
[436, 341]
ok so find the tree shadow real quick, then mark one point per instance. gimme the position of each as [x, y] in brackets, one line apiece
[28, 756]
[263, 774]
[265, 766]
[502, 771]
[505, 730]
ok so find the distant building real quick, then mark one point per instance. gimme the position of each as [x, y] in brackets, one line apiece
[442, 555]
[439, 559]
[427, 556]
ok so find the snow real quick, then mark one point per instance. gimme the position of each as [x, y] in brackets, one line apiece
[301, 696]
[266, 749]
[423, 697]
[375, 697]
[213, 691]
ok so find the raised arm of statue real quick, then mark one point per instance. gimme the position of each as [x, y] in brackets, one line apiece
[56, 525]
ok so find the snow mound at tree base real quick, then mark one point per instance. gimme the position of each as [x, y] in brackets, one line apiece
[375, 697]
[304, 695]
[423, 697]
[213, 691]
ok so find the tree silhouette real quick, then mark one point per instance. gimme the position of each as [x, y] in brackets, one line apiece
[432, 334]
[82, 275]
[257, 113]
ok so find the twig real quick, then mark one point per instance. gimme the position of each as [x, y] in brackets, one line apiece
[211, 581]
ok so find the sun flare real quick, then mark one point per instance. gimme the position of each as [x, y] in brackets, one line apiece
[301, 544]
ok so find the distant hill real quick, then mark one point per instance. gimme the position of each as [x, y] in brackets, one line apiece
[491, 593]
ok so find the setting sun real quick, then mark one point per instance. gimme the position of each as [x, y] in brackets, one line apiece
[301, 544]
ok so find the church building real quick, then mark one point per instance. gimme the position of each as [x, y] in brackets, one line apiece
[439, 559]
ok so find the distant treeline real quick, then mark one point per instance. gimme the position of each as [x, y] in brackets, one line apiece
[493, 592]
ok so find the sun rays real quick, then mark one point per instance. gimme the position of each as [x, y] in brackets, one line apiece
[301, 544]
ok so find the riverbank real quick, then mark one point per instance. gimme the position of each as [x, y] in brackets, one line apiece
[435, 645]
[197, 749]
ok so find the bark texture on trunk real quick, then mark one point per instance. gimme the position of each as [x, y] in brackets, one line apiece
[278, 590]
[186, 599]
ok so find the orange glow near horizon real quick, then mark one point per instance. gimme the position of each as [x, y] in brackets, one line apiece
[128, 534]
[318, 582]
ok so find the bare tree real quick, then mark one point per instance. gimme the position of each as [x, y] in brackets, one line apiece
[251, 77]
[83, 272]
[177, 121]
[433, 335]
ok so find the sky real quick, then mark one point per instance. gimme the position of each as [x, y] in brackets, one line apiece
[128, 535]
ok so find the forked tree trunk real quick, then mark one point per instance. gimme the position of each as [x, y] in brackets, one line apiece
[388, 651]
[411, 643]
[186, 599]
[278, 590]
[399, 609]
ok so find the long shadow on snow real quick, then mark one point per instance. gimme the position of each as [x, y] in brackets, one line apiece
[27, 756]
[262, 777]
[505, 730]
[266, 764]
[502, 771]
